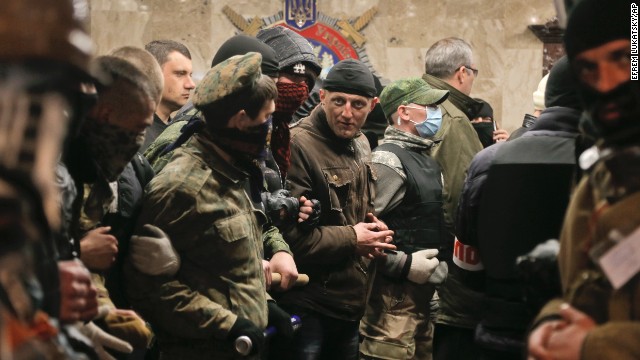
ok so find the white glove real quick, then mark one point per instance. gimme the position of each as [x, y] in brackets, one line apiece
[423, 264]
[152, 253]
[102, 340]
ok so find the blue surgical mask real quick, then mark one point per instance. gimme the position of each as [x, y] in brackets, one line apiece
[430, 126]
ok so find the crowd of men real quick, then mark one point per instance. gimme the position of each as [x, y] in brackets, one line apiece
[256, 215]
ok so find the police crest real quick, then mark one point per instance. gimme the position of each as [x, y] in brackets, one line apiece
[332, 39]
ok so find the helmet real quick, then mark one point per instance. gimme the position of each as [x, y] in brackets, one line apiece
[43, 29]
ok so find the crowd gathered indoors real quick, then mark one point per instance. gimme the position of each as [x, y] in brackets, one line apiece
[274, 210]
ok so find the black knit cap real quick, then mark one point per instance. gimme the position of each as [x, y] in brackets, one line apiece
[595, 22]
[290, 47]
[562, 86]
[352, 77]
[486, 110]
[242, 44]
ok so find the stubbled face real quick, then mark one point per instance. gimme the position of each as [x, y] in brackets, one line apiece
[604, 69]
[346, 113]
[177, 71]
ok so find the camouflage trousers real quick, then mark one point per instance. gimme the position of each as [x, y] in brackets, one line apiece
[396, 322]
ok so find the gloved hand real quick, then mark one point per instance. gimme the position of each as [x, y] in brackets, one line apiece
[152, 253]
[280, 206]
[314, 217]
[247, 328]
[102, 340]
[281, 320]
[423, 264]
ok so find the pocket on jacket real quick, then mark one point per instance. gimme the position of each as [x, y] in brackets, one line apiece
[339, 182]
[235, 227]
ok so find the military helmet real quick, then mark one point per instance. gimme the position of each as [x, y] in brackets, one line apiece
[43, 29]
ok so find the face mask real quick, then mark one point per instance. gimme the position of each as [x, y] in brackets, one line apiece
[430, 126]
[626, 98]
[485, 132]
[111, 146]
[252, 143]
[290, 96]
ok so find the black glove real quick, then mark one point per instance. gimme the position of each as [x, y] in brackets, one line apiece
[281, 320]
[280, 206]
[314, 218]
[247, 328]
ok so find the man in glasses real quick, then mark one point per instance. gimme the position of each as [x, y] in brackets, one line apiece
[449, 65]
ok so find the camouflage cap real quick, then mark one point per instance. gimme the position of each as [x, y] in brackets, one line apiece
[410, 90]
[228, 77]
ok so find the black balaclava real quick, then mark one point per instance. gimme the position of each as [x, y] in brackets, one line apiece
[594, 23]
[484, 129]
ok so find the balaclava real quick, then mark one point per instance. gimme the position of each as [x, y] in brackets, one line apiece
[594, 23]
[485, 129]
[296, 57]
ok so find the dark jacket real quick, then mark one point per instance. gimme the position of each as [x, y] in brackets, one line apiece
[517, 190]
[131, 183]
[338, 173]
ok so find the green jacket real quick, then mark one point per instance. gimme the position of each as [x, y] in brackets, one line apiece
[456, 143]
[199, 200]
[590, 218]
[338, 173]
[459, 143]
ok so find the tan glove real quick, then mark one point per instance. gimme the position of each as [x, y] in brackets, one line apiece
[423, 265]
[101, 340]
[152, 253]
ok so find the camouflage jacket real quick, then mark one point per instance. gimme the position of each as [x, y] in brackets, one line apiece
[602, 202]
[199, 200]
[272, 238]
[337, 172]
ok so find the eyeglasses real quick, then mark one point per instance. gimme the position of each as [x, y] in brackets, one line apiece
[475, 71]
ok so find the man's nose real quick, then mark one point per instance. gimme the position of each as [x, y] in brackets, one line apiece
[190, 84]
[347, 111]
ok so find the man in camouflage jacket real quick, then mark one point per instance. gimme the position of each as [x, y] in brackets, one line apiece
[200, 200]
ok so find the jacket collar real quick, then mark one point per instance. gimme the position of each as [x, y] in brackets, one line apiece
[202, 147]
[407, 140]
[464, 103]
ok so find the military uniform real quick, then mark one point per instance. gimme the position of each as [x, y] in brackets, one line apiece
[396, 323]
[199, 200]
[605, 200]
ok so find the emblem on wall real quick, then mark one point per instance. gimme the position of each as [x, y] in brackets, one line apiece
[332, 39]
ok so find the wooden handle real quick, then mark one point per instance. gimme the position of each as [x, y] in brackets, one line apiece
[303, 279]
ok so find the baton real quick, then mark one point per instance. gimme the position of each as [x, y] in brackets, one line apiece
[276, 278]
[243, 344]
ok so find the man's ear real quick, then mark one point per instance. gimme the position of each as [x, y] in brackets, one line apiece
[323, 94]
[237, 120]
[373, 103]
[462, 74]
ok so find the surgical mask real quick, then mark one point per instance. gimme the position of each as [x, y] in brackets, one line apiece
[431, 124]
